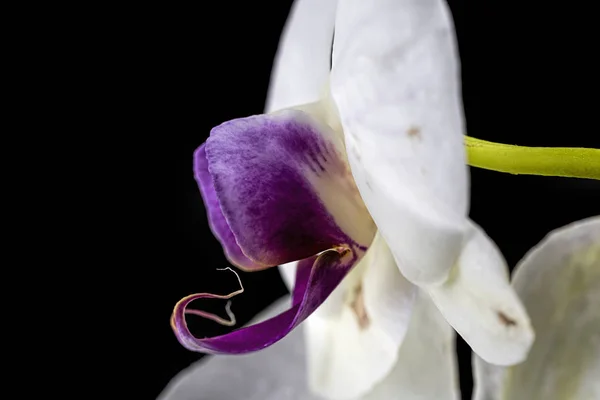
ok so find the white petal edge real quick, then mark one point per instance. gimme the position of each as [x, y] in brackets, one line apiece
[559, 283]
[275, 373]
[479, 302]
[396, 84]
[354, 337]
[301, 67]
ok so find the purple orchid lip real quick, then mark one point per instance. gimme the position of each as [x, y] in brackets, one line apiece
[263, 179]
[316, 277]
[261, 168]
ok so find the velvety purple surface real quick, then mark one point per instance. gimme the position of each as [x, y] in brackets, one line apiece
[259, 166]
[217, 221]
[316, 278]
[255, 176]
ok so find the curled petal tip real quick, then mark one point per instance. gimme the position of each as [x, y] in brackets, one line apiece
[316, 278]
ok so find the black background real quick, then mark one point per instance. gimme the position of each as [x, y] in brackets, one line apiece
[528, 78]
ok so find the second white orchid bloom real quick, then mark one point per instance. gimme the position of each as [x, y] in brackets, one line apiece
[559, 282]
[365, 184]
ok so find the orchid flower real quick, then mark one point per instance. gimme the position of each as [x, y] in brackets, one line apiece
[381, 151]
[559, 282]
[356, 180]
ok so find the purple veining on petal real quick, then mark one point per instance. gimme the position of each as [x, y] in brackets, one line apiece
[316, 278]
[216, 220]
[260, 167]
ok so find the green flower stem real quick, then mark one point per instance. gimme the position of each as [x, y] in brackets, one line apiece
[546, 161]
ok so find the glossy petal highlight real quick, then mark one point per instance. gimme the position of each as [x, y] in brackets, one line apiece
[559, 283]
[284, 187]
[395, 82]
[478, 301]
[316, 278]
[353, 338]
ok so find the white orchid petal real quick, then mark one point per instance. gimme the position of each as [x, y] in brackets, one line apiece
[288, 274]
[301, 67]
[395, 82]
[353, 338]
[559, 283]
[275, 373]
[426, 368]
[478, 301]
